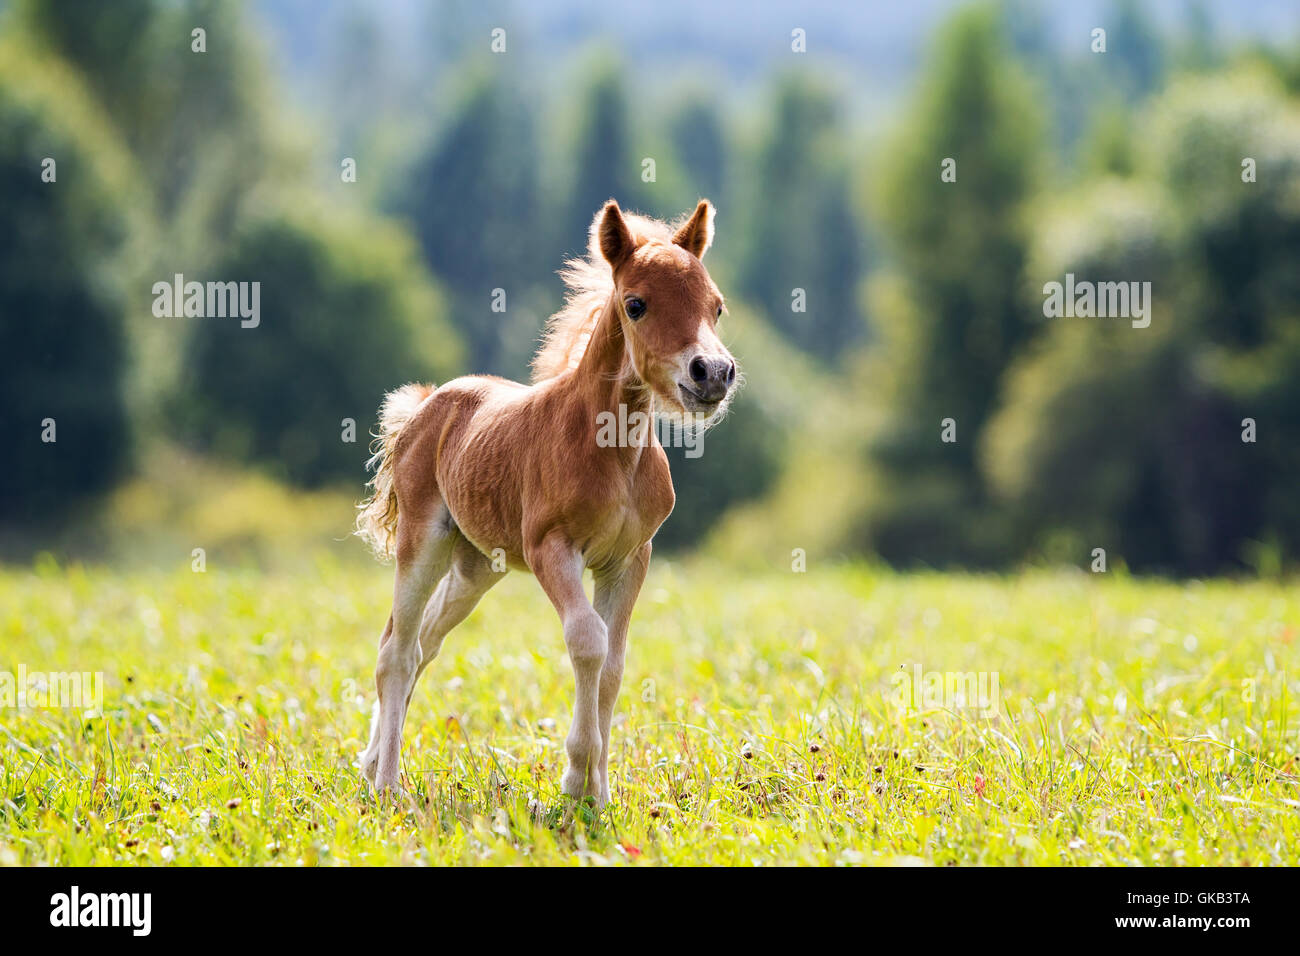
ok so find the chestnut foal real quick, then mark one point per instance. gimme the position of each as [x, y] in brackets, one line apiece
[484, 467]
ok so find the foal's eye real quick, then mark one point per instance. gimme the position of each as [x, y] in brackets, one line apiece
[635, 307]
[719, 315]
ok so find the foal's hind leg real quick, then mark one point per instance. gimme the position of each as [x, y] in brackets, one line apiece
[423, 553]
[470, 577]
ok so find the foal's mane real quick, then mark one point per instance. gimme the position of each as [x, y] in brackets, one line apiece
[588, 282]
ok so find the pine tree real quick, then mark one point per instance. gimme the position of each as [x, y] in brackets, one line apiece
[66, 195]
[802, 253]
[950, 318]
[472, 199]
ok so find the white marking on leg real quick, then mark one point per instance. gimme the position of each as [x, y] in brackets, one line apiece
[616, 595]
[399, 657]
[558, 567]
[588, 643]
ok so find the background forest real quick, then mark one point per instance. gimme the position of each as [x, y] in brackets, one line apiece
[871, 301]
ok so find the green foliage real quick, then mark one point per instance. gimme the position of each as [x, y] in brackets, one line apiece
[1131, 439]
[347, 313]
[1133, 49]
[62, 339]
[601, 159]
[818, 431]
[798, 226]
[740, 458]
[1109, 145]
[497, 165]
[700, 143]
[952, 317]
[472, 198]
[196, 123]
[739, 462]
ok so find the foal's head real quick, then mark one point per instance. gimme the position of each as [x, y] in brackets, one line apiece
[669, 310]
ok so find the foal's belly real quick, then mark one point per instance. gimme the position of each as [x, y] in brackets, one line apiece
[478, 467]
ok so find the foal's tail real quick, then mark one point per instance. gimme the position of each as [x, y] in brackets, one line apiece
[377, 515]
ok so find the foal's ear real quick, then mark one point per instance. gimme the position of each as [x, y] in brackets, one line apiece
[615, 238]
[697, 235]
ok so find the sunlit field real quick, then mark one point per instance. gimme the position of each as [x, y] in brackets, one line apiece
[1138, 723]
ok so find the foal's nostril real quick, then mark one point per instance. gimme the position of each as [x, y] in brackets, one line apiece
[731, 372]
[699, 369]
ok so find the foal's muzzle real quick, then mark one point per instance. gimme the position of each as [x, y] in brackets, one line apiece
[711, 378]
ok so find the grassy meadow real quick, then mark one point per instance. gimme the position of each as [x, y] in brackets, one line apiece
[1139, 722]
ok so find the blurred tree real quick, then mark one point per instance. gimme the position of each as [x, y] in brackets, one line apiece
[1069, 81]
[951, 317]
[347, 313]
[1197, 48]
[110, 43]
[362, 78]
[800, 232]
[602, 162]
[700, 143]
[200, 116]
[472, 198]
[447, 23]
[200, 124]
[1284, 63]
[1108, 147]
[1132, 439]
[63, 229]
[1135, 49]
[738, 460]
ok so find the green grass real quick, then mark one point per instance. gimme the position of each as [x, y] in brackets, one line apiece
[1140, 723]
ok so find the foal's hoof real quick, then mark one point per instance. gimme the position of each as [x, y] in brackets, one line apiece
[369, 767]
[576, 785]
[391, 794]
[386, 789]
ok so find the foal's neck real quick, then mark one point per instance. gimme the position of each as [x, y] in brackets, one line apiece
[605, 372]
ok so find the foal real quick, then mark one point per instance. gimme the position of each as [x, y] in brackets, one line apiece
[483, 466]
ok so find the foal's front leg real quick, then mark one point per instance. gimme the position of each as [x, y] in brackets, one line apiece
[558, 566]
[616, 593]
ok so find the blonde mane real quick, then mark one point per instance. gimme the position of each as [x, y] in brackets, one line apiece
[588, 282]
